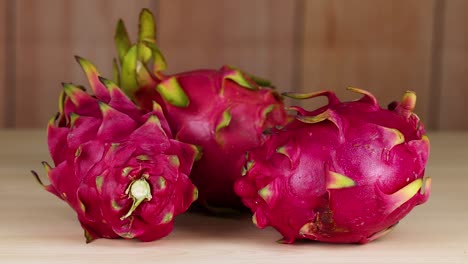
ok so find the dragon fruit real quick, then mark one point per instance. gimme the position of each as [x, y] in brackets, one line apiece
[344, 173]
[117, 166]
[223, 112]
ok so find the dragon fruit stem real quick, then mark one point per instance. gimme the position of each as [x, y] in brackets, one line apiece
[139, 190]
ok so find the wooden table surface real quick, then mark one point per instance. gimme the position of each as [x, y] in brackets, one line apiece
[36, 227]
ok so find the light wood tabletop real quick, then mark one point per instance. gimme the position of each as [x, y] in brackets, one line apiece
[36, 227]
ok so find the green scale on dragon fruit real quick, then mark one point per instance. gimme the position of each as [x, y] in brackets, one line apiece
[117, 165]
[223, 112]
[344, 173]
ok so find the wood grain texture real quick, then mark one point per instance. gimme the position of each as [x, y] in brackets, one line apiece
[37, 227]
[49, 33]
[378, 45]
[3, 60]
[454, 67]
[256, 36]
[386, 47]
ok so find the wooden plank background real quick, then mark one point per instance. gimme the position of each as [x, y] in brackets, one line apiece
[3, 61]
[256, 36]
[454, 71]
[48, 34]
[383, 46]
[378, 45]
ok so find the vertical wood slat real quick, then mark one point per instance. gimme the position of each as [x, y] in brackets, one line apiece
[453, 113]
[382, 46]
[49, 33]
[378, 45]
[256, 36]
[3, 61]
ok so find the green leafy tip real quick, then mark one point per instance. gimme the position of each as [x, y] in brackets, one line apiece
[173, 93]
[247, 166]
[224, 122]
[89, 68]
[167, 218]
[105, 108]
[128, 76]
[174, 160]
[75, 93]
[99, 183]
[195, 194]
[256, 79]
[238, 77]
[115, 72]
[265, 193]
[122, 41]
[159, 62]
[147, 27]
[338, 181]
[38, 179]
[89, 238]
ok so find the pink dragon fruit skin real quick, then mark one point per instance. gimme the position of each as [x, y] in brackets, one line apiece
[225, 119]
[345, 173]
[117, 166]
[223, 112]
